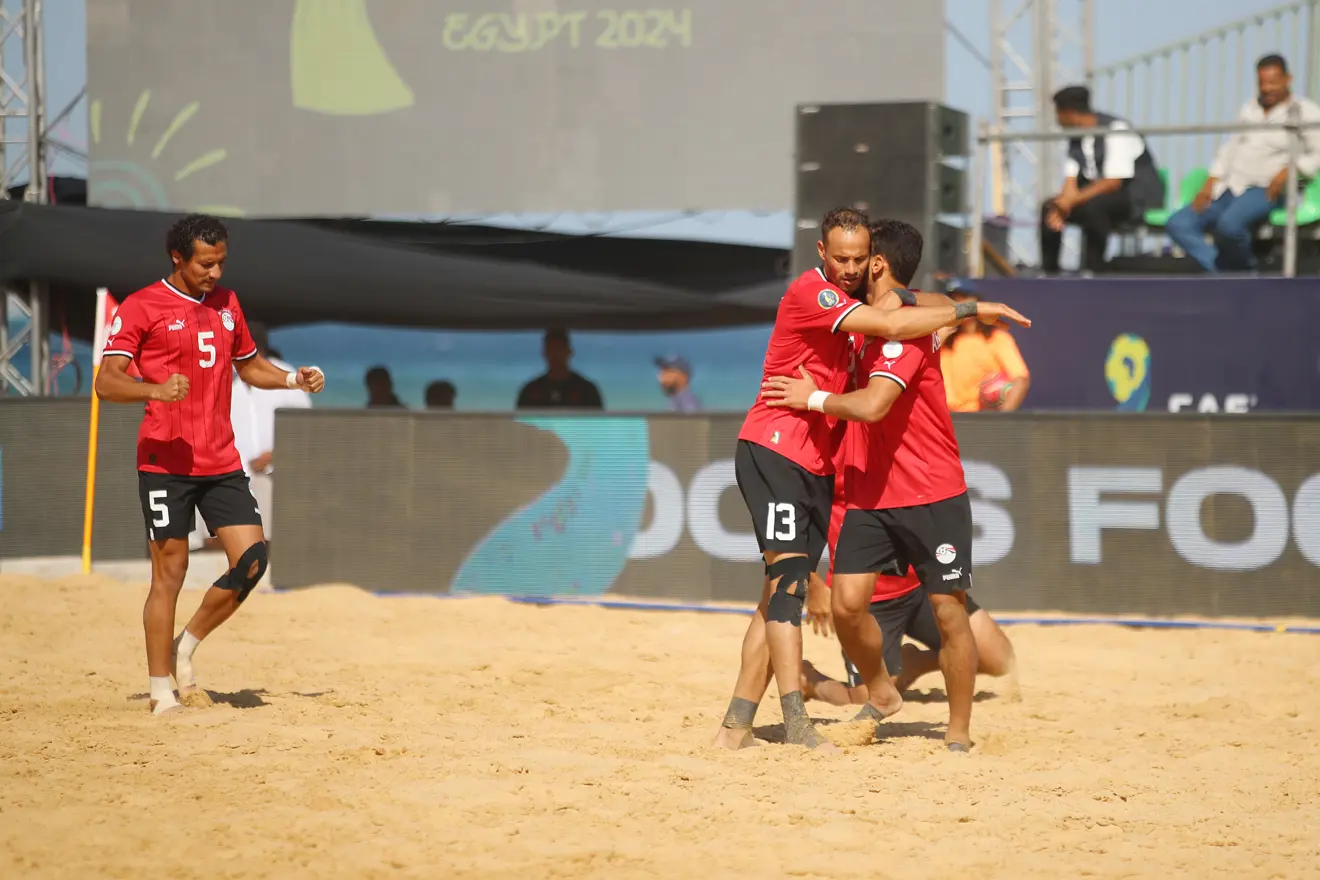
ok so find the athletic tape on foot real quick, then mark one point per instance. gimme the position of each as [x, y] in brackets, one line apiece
[740, 715]
[790, 593]
[238, 579]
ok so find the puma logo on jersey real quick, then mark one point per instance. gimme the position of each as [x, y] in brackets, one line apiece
[177, 325]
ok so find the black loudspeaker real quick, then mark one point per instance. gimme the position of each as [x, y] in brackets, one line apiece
[887, 160]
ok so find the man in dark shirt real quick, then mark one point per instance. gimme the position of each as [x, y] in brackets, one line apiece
[1110, 179]
[380, 389]
[559, 387]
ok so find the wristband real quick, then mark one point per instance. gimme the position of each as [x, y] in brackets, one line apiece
[291, 379]
[816, 401]
[905, 296]
[964, 310]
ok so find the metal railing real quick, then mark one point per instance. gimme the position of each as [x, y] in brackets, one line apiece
[1293, 126]
[1207, 77]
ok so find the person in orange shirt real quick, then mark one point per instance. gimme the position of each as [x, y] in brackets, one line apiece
[982, 366]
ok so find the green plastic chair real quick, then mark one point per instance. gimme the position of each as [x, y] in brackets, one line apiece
[1308, 207]
[1191, 185]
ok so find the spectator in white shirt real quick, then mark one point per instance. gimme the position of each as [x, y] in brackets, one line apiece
[1248, 176]
[253, 416]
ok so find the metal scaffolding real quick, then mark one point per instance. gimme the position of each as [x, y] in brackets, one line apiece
[1036, 48]
[23, 155]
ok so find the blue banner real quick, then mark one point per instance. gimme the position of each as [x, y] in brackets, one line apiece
[1200, 344]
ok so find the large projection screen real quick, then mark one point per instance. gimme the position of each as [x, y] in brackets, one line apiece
[371, 107]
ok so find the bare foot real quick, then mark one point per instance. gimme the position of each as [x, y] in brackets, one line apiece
[883, 704]
[801, 732]
[734, 738]
[194, 697]
[960, 741]
[810, 675]
[182, 669]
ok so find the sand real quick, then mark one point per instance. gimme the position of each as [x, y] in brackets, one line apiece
[356, 736]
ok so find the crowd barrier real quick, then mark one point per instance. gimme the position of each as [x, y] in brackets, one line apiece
[1096, 514]
[43, 479]
[1093, 514]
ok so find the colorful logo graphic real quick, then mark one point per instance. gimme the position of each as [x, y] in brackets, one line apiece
[337, 65]
[574, 539]
[125, 183]
[1127, 370]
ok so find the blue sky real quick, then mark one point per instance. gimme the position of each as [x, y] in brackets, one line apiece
[1122, 28]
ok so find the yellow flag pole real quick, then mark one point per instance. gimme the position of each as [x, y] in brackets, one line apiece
[93, 432]
[89, 503]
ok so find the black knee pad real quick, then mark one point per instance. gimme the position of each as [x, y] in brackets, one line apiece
[237, 578]
[790, 593]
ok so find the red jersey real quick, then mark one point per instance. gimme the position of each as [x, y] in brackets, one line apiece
[806, 333]
[166, 331]
[886, 586]
[909, 457]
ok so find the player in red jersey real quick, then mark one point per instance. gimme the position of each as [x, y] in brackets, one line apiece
[783, 463]
[187, 336]
[904, 489]
[900, 608]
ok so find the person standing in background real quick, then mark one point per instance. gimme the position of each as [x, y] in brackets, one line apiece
[675, 378]
[441, 394]
[982, 366]
[559, 387]
[380, 389]
[253, 416]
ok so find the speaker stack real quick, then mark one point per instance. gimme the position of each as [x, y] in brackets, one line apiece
[888, 160]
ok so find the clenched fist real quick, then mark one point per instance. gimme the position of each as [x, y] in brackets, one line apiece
[173, 389]
[310, 379]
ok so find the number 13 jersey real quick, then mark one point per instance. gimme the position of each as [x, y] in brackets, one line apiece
[166, 331]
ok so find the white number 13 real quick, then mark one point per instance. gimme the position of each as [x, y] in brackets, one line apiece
[204, 345]
[780, 522]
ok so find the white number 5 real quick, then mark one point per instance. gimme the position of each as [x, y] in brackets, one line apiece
[786, 528]
[206, 347]
[157, 502]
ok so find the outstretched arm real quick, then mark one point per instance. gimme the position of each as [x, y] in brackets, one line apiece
[922, 320]
[869, 404]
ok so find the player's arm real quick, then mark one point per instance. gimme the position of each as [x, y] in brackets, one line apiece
[868, 404]
[922, 320]
[114, 385]
[258, 372]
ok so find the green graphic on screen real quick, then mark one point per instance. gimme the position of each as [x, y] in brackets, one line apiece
[575, 538]
[338, 67]
[137, 183]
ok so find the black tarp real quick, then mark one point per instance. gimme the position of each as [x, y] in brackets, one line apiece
[423, 275]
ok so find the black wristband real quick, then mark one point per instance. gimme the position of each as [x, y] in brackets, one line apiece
[905, 296]
[964, 310]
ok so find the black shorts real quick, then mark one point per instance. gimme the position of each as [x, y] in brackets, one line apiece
[170, 504]
[935, 539]
[911, 615]
[790, 506]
